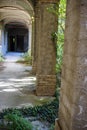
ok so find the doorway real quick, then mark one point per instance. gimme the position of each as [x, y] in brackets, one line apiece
[12, 44]
[17, 39]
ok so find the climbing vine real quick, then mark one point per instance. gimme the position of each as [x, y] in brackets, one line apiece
[60, 34]
[59, 10]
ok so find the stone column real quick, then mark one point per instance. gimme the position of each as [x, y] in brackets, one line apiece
[32, 49]
[36, 37]
[46, 57]
[73, 99]
[0, 38]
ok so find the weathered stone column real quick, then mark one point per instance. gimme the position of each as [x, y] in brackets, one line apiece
[46, 58]
[36, 38]
[73, 99]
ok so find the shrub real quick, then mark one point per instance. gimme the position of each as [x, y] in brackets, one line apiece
[14, 121]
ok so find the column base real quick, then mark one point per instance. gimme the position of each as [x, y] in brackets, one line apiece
[46, 85]
[34, 69]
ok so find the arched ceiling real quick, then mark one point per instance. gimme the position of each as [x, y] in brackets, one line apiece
[16, 11]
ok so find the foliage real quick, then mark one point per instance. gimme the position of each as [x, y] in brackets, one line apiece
[47, 112]
[1, 58]
[59, 10]
[57, 92]
[26, 58]
[61, 28]
[52, 127]
[54, 9]
[14, 121]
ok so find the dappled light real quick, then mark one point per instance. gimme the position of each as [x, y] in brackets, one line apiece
[17, 86]
[9, 90]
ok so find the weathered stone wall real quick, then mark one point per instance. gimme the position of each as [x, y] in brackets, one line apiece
[73, 104]
[46, 79]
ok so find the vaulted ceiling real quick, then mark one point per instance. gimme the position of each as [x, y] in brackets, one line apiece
[20, 11]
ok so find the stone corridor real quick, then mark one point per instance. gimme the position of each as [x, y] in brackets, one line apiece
[16, 81]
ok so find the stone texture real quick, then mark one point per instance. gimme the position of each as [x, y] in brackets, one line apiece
[46, 52]
[37, 29]
[47, 1]
[73, 105]
[36, 38]
[46, 85]
[57, 127]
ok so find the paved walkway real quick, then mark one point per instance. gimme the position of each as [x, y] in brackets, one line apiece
[17, 84]
[12, 57]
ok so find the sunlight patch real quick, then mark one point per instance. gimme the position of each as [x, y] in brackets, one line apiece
[24, 79]
[10, 90]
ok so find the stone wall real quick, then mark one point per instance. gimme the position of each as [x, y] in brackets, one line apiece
[73, 104]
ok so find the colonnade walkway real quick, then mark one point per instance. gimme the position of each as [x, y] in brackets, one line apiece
[17, 84]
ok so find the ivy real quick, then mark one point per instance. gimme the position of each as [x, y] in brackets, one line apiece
[47, 112]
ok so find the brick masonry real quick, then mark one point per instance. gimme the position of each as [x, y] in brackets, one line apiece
[46, 85]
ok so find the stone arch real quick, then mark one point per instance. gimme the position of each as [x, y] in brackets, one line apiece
[17, 37]
[15, 12]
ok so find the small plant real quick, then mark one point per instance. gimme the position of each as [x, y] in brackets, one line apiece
[14, 121]
[1, 58]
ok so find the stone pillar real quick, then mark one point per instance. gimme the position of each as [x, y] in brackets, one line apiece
[2, 40]
[73, 99]
[46, 58]
[30, 36]
[36, 37]
[0, 37]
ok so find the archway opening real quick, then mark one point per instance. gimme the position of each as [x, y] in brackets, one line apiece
[17, 38]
